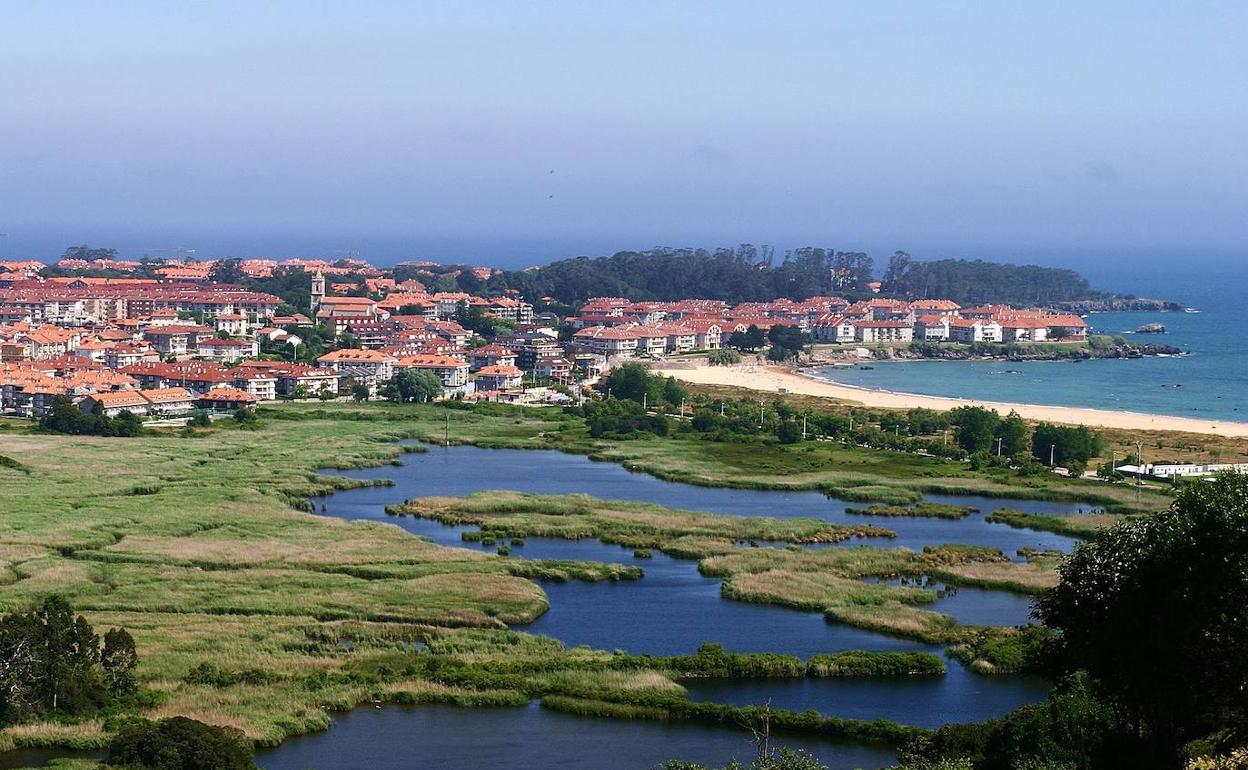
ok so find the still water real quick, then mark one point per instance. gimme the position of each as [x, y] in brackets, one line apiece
[443, 737]
[673, 609]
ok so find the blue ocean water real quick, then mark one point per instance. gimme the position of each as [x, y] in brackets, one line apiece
[1210, 382]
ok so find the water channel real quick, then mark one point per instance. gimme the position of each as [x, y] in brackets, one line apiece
[670, 611]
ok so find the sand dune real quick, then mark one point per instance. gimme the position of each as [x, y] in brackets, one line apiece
[774, 379]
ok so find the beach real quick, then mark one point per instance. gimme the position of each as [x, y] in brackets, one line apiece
[775, 379]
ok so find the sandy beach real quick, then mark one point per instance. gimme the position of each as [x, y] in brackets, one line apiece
[774, 379]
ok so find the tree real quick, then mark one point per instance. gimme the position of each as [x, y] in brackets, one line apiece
[723, 357]
[636, 383]
[976, 427]
[64, 416]
[1012, 433]
[789, 432]
[119, 659]
[754, 337]
[622, 417]
[358, 390]
[786, 342]
[1067, 446]
[409, 386]
[228, 271]
[1155, 610]
[179, 743]
[898, 265]
[88, 254]
[739, 341]
[50, 662]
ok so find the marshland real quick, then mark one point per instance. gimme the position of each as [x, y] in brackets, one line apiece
[238, 550]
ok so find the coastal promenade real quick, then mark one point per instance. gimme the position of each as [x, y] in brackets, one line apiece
[775, 379]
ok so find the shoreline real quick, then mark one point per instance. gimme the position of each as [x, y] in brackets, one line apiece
[774, 379]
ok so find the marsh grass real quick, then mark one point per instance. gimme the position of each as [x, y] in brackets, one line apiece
[1075, 525]
[932, 510]
[632, 524]
[864, 663]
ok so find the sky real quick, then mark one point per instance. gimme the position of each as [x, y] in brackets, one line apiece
[1080, 133]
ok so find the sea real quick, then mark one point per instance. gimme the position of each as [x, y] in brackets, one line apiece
[1209, 381]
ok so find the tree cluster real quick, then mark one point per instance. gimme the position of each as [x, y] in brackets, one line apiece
[787, 342]
[412, 386]
[179, 743]
[977, 282]
[983, 430]
[64, 416]
[622, 418]
[482, 324]
[1150, 650]
[747, 273]
[1068, 447]
[53, 663]
[635, 383]
[747, 341]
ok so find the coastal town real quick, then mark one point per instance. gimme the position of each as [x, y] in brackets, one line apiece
[162, 341]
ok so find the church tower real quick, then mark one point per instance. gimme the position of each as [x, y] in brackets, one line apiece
[318, 291]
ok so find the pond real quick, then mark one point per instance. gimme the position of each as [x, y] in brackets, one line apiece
[673, 609]
[529, 738]
[461, 470]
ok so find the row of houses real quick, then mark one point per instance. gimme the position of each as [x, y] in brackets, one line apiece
[79, 301]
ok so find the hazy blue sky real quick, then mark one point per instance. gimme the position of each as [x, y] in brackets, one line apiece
[1042, 130]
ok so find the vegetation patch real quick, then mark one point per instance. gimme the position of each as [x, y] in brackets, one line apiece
[628, 523]
[864, 663]
[1082, 525]
[932, 510]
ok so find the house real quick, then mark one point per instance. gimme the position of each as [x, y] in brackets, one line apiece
[227, 351]
[123, 354]
[158, 402]
[499, 378]
[49, 341]
[707, 334]
[491, 355]
[516, 310]
[226, 400]
[588, 365]
[677, 337]
[621, 341]
[932, 328]
[367, 367]
[112, 404]
[970, 330]
[176, 340]
[450, 302]
[869, 332]
[832, 328]
[164, 317]
[291, 379]
[555, 368]
[651, 340]
[197, 376]
[337, 312]
[452, 370]
[233, 324]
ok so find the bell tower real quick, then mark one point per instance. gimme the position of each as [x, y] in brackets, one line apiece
[318, 291]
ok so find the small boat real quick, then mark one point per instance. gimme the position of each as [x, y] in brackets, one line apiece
[866, 367]
[1190, 310]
